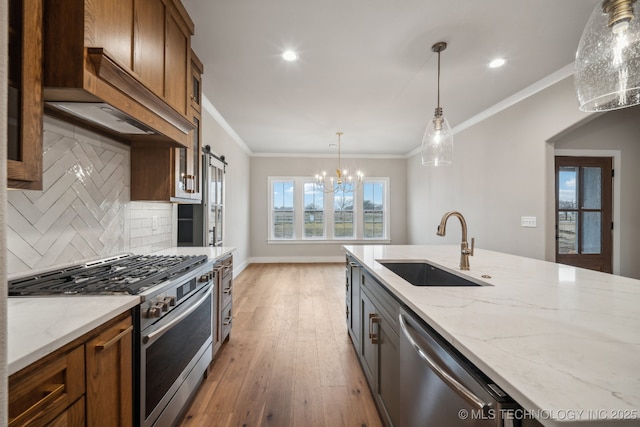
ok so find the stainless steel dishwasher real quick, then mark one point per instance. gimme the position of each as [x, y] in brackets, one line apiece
[438, 387]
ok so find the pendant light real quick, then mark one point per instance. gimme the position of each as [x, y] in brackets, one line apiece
[437, 142]
[607, 67]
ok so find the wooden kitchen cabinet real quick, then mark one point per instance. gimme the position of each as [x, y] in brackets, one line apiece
[195, 89]
[380, 347]
[24, 103]
[167, 173]
[223, 296]
[109, 367]
[47, 391]
[88, 382]
[134, 56]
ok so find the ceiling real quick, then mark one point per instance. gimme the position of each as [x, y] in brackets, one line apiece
[366, 67]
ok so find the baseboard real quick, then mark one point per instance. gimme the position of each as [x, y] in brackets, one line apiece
[239, 268]
[295, 260]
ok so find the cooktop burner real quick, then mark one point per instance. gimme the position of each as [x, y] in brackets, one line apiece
[127, 274]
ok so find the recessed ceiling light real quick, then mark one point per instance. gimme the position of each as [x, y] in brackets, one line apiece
[498, 62]
[289, 55]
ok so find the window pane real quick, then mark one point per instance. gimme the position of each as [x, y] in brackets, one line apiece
[343, 214]
[282, 193]
[313, 211]
[592, 188]
[373, 210]
[568, 181]
[567, 232]
[591, 232]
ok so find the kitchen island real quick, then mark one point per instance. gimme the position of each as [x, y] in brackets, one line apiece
[563, 342]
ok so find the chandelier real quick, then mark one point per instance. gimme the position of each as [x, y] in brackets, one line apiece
[343, 181]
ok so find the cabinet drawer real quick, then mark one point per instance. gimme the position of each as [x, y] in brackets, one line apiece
[227, 290]
[42, 392]
[386, 303]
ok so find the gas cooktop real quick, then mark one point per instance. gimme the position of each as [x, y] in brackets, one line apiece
[124, 274]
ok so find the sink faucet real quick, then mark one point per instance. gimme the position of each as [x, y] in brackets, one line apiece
[465, 251]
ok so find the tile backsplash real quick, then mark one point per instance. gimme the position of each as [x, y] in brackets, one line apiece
[84, 211]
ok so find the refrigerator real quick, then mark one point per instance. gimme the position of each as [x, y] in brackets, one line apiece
[203, 224]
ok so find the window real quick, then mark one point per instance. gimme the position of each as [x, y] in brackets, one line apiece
[283, 213]
[299, 212]
[343, 225]
[373, 209]
[313, 211]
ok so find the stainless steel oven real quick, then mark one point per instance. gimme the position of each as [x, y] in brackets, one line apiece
[175, 344]
[173, 323]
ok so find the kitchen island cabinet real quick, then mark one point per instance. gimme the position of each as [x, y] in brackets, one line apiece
[560, 340]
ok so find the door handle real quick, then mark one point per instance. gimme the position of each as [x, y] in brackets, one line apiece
[451, 382]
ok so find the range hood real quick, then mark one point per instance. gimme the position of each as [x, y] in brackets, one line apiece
[103, 115]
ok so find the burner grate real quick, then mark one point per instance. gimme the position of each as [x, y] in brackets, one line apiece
[123, 275]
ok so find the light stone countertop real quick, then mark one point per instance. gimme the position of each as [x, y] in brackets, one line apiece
[564, 342]
[37, 326]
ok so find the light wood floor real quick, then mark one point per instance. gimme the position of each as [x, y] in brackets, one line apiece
[289, 361]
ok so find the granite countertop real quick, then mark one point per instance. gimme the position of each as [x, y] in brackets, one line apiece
[38, 326]
[564, 342]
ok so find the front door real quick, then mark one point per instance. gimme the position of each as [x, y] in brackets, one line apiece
[584, 212]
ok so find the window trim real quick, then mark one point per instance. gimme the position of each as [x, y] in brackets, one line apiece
[298, 214]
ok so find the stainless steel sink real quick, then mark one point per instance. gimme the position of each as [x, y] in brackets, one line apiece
[423, 274]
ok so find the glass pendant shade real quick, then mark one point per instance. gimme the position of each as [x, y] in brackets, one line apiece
[437, 142]
[607, 67]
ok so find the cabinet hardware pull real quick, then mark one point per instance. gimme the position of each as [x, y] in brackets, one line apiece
[373, 318]
[353, 264]
[40, 405]
[347, 312]
[148, 339]
[115, 339]
[227, 321]
[456, 386]
[226, 291]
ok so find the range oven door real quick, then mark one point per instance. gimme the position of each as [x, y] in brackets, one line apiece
[174, 354]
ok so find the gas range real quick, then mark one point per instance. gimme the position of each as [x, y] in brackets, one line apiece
[172, 325]
[122, 274]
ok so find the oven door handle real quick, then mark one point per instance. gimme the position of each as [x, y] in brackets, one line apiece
[147, 339]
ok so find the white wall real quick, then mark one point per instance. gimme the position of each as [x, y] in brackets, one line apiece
[263, 167]
[616, 130]
[237, 201]
[499, 174]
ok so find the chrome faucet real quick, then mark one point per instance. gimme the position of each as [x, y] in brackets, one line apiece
[464, 246]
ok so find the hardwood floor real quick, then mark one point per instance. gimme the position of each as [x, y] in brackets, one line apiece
[290, 361]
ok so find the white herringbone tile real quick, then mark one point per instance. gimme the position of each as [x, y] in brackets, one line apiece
[80, 214]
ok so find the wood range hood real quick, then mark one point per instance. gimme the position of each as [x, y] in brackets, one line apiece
[101, 71]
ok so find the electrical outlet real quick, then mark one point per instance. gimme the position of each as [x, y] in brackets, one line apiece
[154, 222]
[528, 221]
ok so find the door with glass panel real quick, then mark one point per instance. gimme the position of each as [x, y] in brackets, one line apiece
[583, 212]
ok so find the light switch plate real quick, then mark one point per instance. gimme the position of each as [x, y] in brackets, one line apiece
[154, 222]
[528, 221]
